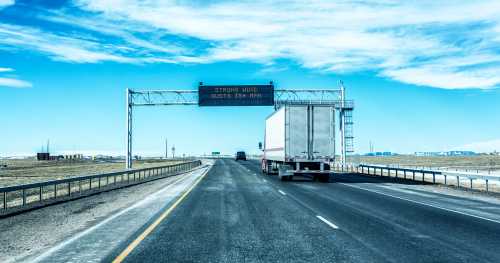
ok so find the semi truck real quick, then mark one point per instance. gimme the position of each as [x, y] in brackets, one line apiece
[300, 140]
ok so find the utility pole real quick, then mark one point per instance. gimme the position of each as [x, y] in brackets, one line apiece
[173, 151]
[166, 148]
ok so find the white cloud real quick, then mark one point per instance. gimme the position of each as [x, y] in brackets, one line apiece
[11, 81]
[14, 83]
[60, 47]
[482, 147]
[447, 44]
[5, 3]
[6, 70]
[446, 77]
[385, 36]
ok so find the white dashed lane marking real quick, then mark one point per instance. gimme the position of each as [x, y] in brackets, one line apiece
[332, 225]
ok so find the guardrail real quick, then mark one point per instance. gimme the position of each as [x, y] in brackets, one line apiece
[436, 176]
[28, 196]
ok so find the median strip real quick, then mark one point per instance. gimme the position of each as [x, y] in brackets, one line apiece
[332, 225]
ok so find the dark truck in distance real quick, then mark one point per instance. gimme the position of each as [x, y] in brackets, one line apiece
[241, 156]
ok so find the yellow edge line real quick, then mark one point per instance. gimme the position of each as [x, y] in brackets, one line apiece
[151, 227]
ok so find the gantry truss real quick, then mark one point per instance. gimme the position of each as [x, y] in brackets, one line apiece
[329, 97]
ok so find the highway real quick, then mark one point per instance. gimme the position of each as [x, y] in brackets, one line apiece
[236, 214]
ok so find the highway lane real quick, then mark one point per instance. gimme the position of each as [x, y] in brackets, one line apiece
[237, 214]
[92, 241]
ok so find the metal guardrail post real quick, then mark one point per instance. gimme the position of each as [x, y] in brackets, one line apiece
[55, 190]
[486, 185]
[4, 200]
[433, 178]
[24, 196]
[458, 182]
[40, 194]
[445, 179]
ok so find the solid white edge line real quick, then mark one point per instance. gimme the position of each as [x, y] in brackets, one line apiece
[426, 204]
[332, 225]
[281, 192]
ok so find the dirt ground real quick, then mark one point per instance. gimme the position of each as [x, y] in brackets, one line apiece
[481, 163]
[23, 171]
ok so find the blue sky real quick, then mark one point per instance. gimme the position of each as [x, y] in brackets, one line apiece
[425, 76]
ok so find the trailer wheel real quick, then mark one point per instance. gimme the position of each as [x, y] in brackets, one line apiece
[265, 167]
[286, 178]
[324, 178]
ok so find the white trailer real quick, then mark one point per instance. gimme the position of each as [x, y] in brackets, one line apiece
[300, 139]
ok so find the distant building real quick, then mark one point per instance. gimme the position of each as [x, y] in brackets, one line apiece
[73, 156]
[43, 156]
[449, 153]
[48, 157]
[380, 154]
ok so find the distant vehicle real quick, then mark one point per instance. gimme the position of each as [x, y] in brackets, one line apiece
[299, 140]
[241, 156]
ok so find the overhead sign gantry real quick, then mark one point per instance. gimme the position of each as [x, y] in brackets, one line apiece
[246, 95]
[236, 95]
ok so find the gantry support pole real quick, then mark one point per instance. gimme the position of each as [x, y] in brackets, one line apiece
[342, 136]
[342, 125]
[128, 157]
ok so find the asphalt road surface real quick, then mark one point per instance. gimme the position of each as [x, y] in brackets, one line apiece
[236, 214]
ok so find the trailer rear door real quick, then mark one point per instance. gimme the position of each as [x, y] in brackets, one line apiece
[322, 126]
[296, 129]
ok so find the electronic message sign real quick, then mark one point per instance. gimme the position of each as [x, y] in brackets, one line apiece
[236, 95]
